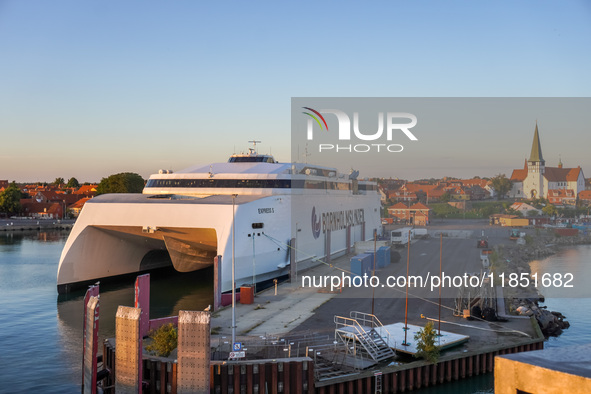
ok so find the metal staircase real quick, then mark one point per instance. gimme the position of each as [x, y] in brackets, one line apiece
[362, 335]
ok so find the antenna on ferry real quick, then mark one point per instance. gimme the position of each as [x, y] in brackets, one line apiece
[254, 146]
[306, 154]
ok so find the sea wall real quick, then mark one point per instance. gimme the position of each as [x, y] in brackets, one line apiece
[516, 258]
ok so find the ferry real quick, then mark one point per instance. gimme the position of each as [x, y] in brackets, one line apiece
[263, 212]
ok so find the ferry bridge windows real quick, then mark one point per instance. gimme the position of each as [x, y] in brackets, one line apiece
[314, 184]
[255, 183]
[220, 183]
[251, 159]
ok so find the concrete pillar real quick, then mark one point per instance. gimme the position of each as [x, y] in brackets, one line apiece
[193, 352]
[128, 352]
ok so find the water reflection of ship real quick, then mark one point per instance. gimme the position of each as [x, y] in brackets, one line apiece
[17, 237]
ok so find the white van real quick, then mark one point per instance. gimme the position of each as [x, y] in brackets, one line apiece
[401, 236]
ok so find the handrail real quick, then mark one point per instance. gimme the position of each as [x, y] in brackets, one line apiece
[373, 319]
[375, 322]
[360, 332]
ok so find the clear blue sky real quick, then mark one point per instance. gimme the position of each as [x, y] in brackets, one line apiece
[88, 89]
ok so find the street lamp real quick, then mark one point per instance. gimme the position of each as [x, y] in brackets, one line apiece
[233, 271]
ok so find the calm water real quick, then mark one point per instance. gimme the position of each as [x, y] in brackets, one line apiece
[40, 336]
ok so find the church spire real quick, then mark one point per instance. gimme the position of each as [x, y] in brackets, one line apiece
[536, 148]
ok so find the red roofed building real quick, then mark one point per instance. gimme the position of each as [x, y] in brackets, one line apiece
[585, 197]
[52, 196]
[402, 195]
[77, 206]
[562, 197]
[417, 214]
[536, 180]
[87, 190]
[42, 210]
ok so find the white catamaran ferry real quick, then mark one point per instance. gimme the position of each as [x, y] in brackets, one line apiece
[186, 217]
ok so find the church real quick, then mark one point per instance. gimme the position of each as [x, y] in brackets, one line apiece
[535, 180]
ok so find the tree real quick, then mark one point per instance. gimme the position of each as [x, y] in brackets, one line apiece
[501, 184]
[10, 199]
[125, 182]
[59, 181]
[445, 197]
[550, 210]
[73, 182]
[164, 340]
[426, 347]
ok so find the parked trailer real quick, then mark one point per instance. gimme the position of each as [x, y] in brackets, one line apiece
[401, 236]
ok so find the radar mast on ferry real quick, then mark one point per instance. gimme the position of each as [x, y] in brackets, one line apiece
[252, 156]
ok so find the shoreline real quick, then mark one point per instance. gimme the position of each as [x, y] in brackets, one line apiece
[16, 225]
[515, 258]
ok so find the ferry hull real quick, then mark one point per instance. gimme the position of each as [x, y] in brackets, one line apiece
[124, 234]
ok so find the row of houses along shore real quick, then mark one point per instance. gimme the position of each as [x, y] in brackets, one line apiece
[560, 186]
[52, 201]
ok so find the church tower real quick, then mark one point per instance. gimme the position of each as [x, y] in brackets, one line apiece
[535, 169]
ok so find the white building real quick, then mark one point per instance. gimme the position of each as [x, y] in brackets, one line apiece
[535, 180]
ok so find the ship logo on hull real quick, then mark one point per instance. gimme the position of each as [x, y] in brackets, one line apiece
[316, 224]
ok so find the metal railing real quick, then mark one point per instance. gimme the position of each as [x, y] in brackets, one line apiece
[369, 320]
[349, 331]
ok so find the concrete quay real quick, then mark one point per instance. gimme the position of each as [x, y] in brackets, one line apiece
[35, 224]
[284, 332]
[297, 309]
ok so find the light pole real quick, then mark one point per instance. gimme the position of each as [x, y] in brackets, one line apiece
[233, 269]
